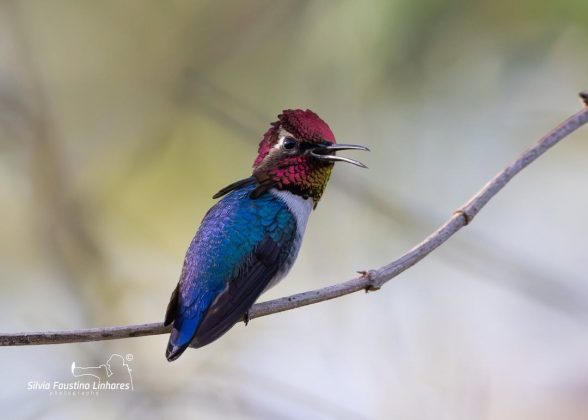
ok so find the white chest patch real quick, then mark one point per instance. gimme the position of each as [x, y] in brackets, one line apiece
[301, 209]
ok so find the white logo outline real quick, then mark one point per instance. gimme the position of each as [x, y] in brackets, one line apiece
[105, 368]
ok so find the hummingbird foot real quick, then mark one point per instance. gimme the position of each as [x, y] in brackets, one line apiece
[373, 284]
[584, 96]
[246, 318]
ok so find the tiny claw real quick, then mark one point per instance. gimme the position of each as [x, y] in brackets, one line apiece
[246, 318]
[371, 288]
[584, 96]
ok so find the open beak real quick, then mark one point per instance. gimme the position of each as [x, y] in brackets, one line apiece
[327, 152]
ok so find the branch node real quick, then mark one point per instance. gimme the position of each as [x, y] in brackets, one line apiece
[467, 218]
[374, 282]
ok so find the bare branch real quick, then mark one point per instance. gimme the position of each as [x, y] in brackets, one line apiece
[371, 280]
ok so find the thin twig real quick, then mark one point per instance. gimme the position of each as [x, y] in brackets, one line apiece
[371, 280]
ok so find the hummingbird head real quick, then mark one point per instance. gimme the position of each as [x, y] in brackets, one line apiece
[297, 154]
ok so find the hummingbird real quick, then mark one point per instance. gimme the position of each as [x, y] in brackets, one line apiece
[249, 240]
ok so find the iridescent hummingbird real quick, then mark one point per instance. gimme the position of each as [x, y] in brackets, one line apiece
[249, 240]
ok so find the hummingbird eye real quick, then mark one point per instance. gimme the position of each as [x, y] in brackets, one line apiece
[289, 143]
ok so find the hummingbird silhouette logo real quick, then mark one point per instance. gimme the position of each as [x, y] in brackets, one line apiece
[249, 240]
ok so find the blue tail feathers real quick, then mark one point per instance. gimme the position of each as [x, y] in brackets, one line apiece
[183, 328]
[183, 331]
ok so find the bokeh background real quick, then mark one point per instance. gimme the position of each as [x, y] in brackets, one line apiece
[120, 119]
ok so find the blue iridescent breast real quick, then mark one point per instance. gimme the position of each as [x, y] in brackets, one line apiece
[228, 234]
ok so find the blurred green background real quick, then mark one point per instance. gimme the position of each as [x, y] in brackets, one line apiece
[120, 119]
